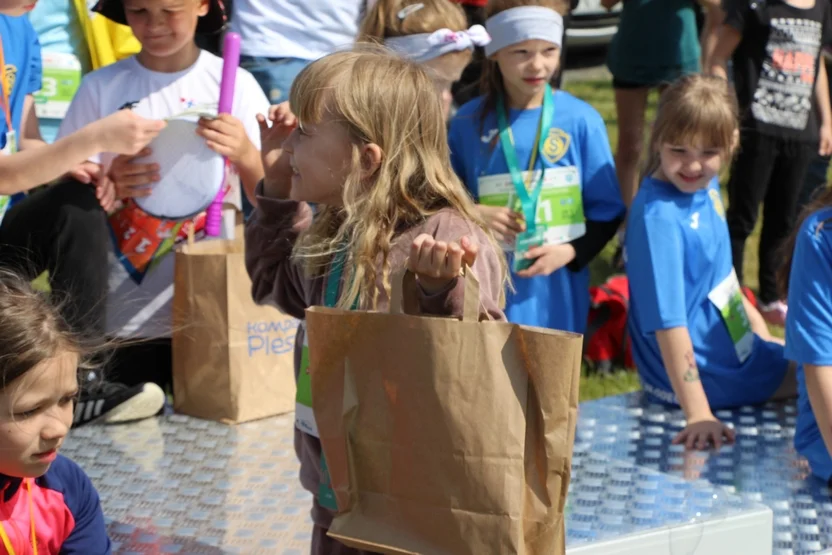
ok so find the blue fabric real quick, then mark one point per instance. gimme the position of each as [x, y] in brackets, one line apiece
[809, 328]
[677, 251]
[578, 137]
[23, 66]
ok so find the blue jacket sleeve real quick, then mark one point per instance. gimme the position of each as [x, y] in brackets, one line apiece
[89, 536]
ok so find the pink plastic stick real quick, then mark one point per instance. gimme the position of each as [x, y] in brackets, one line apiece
[230, 62]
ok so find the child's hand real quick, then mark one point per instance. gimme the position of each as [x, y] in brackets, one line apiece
[825, 140]
[86, 172]
[226, 136]
[278, 172]
[548, 259]
[125, 132]
[133, 180]
[437, 263]
[105, 192]
[700, 434]
[504, 222]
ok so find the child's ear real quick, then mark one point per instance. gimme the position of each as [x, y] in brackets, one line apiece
[204, 6]
[735, 140]
[371, 156]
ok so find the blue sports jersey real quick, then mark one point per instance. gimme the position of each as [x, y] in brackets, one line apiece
[681, 274]
[809, 327]
[21, 52]
[577, 148]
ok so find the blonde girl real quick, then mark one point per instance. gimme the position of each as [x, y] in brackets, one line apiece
[539, 164]
[697, 341]
[433, 33]
[368, 147]
[48, 505]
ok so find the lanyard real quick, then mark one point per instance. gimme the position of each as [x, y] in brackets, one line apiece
[7, 93]
[5, 537]
[333, 280]
[527, 201]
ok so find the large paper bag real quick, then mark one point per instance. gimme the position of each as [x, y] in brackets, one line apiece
[444, 436]
[232, 360]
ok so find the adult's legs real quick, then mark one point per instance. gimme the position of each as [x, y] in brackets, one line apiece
[779, 211]
[630, 106]
[750, 175]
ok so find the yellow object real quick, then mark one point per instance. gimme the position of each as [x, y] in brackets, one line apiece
[108, 42]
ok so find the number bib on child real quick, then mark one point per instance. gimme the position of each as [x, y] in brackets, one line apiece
[61, 79]
[560, 210]
[727, 297]
[304, 415]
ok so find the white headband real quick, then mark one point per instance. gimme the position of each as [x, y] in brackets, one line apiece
[423, 47]
[521, 24]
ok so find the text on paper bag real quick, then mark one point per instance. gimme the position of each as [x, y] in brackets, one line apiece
[271, 337]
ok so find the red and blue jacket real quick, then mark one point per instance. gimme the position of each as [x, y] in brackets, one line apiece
[68, 516]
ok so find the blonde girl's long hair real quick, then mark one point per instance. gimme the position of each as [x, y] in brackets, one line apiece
[391, 102]
[694, 110]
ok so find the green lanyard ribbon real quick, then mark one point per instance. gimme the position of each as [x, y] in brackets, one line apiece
[528, 200]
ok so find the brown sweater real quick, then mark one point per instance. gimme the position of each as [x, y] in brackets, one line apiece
[271, 233]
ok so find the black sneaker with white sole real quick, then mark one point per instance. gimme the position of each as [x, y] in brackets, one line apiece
[111, 403]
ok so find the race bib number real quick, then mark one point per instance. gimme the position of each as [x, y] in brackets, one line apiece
[61, 79]
[560, 208]
[727, 297]
[304, 417]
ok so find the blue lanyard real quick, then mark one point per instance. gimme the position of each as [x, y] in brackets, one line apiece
[333, 280]
[528, 201]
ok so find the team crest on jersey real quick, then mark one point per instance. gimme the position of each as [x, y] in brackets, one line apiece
[556, 145]
[11, 76]
[717, 202]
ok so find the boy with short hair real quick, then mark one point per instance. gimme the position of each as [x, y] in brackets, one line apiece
[170, 75]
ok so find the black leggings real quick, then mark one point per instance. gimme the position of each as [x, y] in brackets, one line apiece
[771, 171]
[146, 361]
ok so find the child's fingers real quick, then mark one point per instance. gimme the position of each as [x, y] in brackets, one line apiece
[730, 435]
[420, 243]
[221, 149]
[137, 180]
[126, 170]
[453, 262]
[471, 250]
[436, 262]
[692, 440]
[716, 439]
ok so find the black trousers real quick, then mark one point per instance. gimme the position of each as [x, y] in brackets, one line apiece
[771, 171]
[144, 361]
[62, 229]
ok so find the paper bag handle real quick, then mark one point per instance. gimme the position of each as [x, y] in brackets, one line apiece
[403, 294]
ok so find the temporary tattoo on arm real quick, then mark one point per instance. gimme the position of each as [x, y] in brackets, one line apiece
[692, 373]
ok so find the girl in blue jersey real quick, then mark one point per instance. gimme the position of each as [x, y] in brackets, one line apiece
[538, 163]
[48, 504]
[807, 278]
[697, 341]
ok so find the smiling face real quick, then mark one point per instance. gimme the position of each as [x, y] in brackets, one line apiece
[689, 168]
[36, 414]
[165, 28]
[526, 68]
[16, 8]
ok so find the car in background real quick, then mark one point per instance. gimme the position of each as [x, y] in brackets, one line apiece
[592, 25]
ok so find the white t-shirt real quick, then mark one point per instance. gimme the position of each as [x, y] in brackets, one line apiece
[145, 309]
[304, 29]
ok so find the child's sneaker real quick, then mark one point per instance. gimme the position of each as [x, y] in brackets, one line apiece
[111, 403]
[774, 313]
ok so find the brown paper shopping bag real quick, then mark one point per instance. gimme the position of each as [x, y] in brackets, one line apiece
[444, 436]
[232, 360]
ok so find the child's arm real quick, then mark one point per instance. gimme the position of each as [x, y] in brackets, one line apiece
[702, 426]
[30, 136]
[226, 135]
[819, 387]
[825, 109]
[758, 323]
[88, 536]
[275, 224]
[123, 131]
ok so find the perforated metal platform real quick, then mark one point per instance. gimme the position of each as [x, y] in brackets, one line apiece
[181, 485]
[762, 466]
